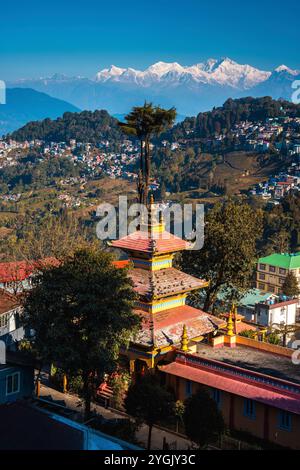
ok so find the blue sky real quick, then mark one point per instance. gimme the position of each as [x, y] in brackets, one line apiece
[39, 38]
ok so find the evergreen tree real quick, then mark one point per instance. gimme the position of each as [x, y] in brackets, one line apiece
[290, 286]
[144, 122]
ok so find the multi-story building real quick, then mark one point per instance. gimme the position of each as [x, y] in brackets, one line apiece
[272, 270]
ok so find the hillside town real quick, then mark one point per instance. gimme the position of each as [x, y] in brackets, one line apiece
[278, 134]
[97, 159]
[275, 136]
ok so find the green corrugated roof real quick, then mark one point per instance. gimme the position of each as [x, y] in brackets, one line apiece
[250, 298]
[253, 297]
[283, 260]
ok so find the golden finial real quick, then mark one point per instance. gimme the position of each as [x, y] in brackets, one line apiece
[151, 199]
[184, 339]
[230, 323]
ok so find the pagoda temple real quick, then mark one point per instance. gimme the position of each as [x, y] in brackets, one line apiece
[167, 322]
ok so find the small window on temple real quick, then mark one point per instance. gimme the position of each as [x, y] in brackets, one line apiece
[262, 267]
[188, 388]
[249, 408]
[285, 420]
[216, 394]
[272, 269]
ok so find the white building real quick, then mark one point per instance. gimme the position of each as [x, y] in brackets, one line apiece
[276, 312]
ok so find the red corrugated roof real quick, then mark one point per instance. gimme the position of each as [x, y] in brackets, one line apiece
[7, 301]
[20, 270]
[242, 326]
[233, 385]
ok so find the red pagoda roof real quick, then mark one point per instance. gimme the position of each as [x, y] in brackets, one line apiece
[155, 243]
[165, 328]
[163, 283]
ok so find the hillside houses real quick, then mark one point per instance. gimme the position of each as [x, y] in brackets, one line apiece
[105, 157]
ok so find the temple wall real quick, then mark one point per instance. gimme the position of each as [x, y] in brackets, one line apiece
[264, 424]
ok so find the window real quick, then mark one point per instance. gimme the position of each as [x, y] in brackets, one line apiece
[262, 276]
[249, 408]
[13, 383]
[3, 320]
[285, 420]
[272, 269]
[282, 271]
[271, 288]
[281, 281]
[262, 267]
[188, 388]
[216, 395]
[261, 286]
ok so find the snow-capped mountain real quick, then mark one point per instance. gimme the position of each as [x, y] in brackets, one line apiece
[190, 88]
[216, 72]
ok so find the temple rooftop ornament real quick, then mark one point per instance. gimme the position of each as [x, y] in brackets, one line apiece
[230, 331]
[184, 340]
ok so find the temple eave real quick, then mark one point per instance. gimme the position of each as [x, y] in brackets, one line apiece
[164, 328]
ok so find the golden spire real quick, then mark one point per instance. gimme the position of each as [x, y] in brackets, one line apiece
[234, 308]
[184, 339]
[230, 323]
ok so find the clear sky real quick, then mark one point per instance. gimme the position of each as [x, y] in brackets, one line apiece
[80, 37]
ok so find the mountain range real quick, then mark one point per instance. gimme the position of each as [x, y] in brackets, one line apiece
[24, 105]
[190, 89]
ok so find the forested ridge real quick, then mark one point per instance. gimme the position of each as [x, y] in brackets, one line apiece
[87, 126]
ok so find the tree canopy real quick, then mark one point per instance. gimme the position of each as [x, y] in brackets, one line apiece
[81, 312]
[202, 419]
[145, 122]
[228, 256]
[148, 402]
[87, 126]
